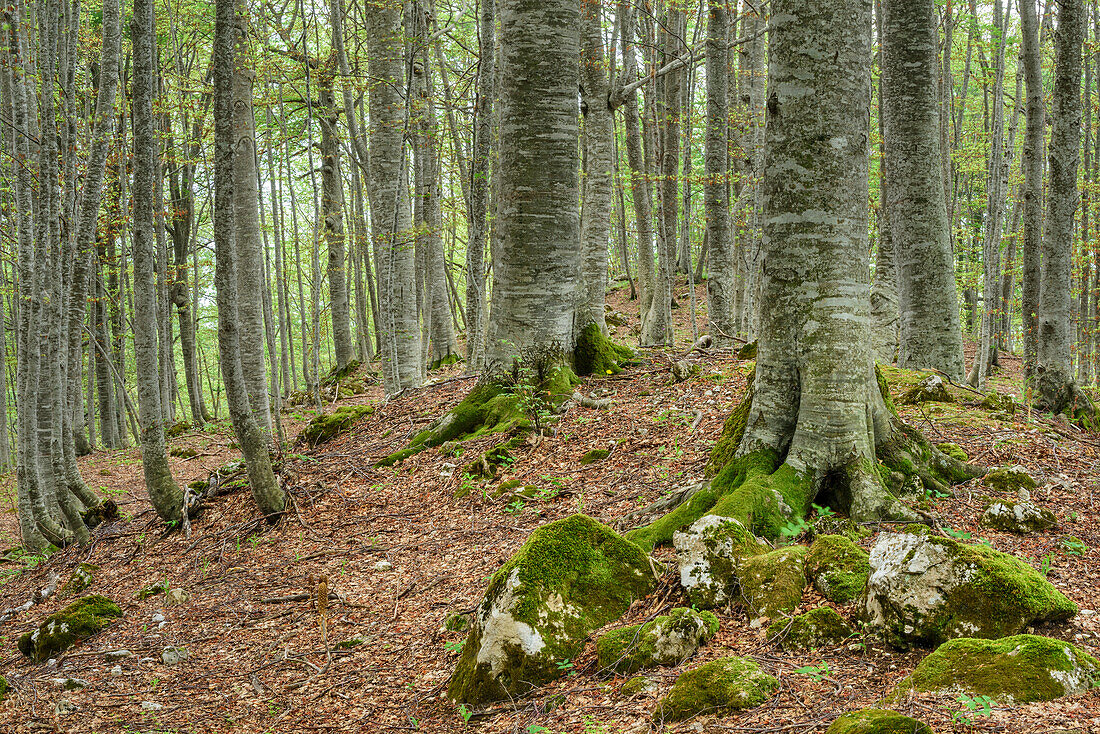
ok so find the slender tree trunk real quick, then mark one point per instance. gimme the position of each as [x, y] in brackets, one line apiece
[1032, 163]
[483, 148]
[720, 283]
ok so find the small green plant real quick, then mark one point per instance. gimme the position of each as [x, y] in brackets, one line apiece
[957, 534]
[529, 397]
[536, 729]
[465, 713]
[515, 507]
[566, 666]
[818, 672]
[1074, 546]
[454, 646]
[1046, 564]
[823, 511]
[972, 706]
[793, 529]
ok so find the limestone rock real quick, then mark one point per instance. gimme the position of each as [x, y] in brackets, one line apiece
[1009, 480]
[176, 597]
[570, 578]
[816, 628]
[877, 721]
[720, 686]
[637, 686]
[838, 568]
[772, 583]
[931, 389]
[174, 655]
[710, 553]
[1010, 670]
[59, 631]
[667, 640]
[80, 579]
[926, 590]
[1018, 517]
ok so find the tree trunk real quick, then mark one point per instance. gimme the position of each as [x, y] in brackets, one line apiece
[1032, 163]
[929, 314]
[479, 189]
[720, 283]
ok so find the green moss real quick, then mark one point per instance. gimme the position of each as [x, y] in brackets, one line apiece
[594, 455]
[954, 451]
[80, 579]
[666, 640]
[444, 361]
[733, 430]
[884, 388]
[838, 568]
[488, 408]
[816, 628]
[720, 686]
[571, 577]
[772, 583]
[999, 403]
[837, 525]
[159, 587]
[349, 643]
[485, 466]
[327, 426]
[877, 721]
[183, 452]
[932, 389]
[1009, 480]
[338, 374]
[177, 429]
[398, 456]
[3, 687]
[1015, 669]
[59, 631]
[635, 686]
[747, 352]
[456, 622]
[595, 354]
[199, 485]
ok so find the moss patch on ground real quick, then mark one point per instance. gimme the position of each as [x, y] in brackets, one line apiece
[59, 631]
[326, 427]
[1014, 669]
[877, 721]
[720, 686]
[816, 628]
[594, 455]
[838, 568]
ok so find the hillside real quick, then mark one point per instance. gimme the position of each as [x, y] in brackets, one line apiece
[407, 548]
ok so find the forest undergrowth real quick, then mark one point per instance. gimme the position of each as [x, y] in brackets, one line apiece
[405, 549]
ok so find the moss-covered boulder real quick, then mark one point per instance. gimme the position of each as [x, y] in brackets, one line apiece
[720, 686]
[1010, 670]
[772, 583]
[571, 577]
[593, 456]
[330, 425]
[877, 721]
[3, 688]
[999, 403]
[636, 686]
[667, 640]
[954, 450]
[838, 568]
[81, 578]
[59, 631]
[932, 389]
[710, 554]
[816, 628]
[1009, 480]
[926, 590]
[1018, 517]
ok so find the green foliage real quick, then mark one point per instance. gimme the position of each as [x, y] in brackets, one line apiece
[818, 672]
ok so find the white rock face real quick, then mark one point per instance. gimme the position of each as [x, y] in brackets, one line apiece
[709, 554]
[1018, 517]
[500, 629]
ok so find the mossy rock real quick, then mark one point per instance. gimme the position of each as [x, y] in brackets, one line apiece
[183, 452]
[1009, 480]
[1018, 517]
[838, 568]
[667, 640]
[999, 403]
[338, 374]
[1011, 670]
[327, 426]
[816, 628]
[59, 631]
[570, 578]
[747, 352]
[153, 589]
[177, 429]
[954, 450]
[923, 591]
[772, 583]
[81, 578]
[485, 466]
[721, 686]
[710, 554]
[932, 389]
[838, 525]
[594, 455]
[636, 686]
[3, 688]
[456, 622]
[877, 721]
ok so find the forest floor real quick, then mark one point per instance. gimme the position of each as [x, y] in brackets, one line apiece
[403, 553]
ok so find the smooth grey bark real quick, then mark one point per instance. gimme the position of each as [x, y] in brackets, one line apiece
[721, 283]
[884, 287]
[332, 211]
[1057, 390]
[599, 148]
[533, 315]
[1084, 264]
[401, 363]
[816, 402]
[996, 192]
[266, 490]
[1032, 163]
[164, 493]
[248, 238]
[482, 152]
[929, 315]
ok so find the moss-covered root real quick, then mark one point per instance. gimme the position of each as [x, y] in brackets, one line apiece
[720, 686]
[877, 721]
[1058, 393]
[59, 631]
[756, 489]
[595, 354]
[327, 426]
